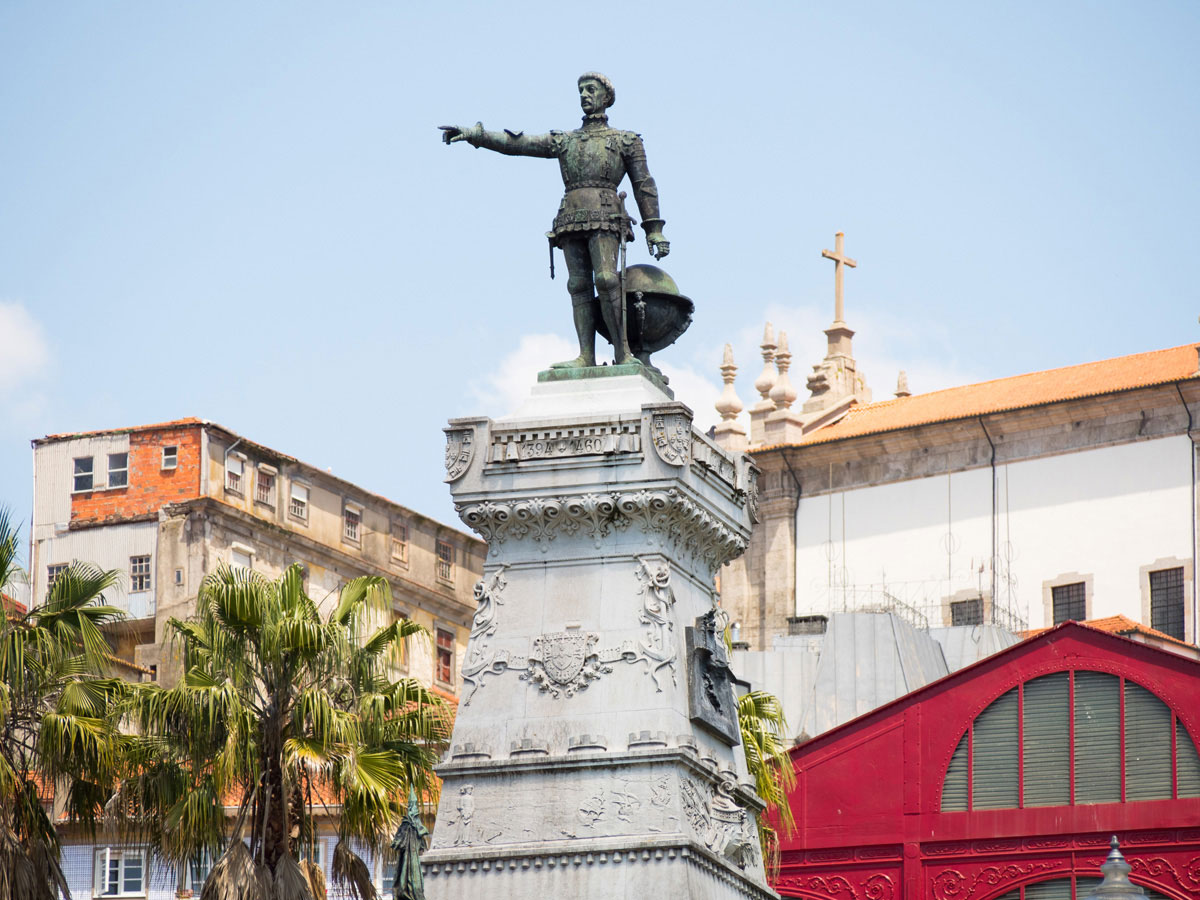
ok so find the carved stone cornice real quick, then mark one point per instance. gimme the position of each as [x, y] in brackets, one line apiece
[692, 531]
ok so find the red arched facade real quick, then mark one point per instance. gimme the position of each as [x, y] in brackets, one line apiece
[868, 800]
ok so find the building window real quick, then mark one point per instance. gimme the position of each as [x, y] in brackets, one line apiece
[1121, 743]
[352, 523]
[445, 561]
[445, 656]
[120, 873]
[400, 542]
[264, 488]
[83, 474]
[170, 457]
[179, 577]
[197, 872]
[1069, 602]
[118, 470]
[1166, 601]
[387, 871]
[298, 507]
[967, 612]
[139, 573]
[52, 573]
[234, 469]
[241, 558]
[402, 644]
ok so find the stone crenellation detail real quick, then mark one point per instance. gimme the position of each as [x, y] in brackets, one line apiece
[691, 531]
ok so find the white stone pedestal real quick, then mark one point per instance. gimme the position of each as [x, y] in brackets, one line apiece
[596, 751]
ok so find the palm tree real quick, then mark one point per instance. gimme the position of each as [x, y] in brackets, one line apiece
[280, 711]
[56, 725]
[763, 727]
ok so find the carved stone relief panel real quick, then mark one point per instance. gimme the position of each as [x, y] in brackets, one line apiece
[460, 450]
[719, 823]
[711, 701]
[607, 804]
[566, 662]
[671, 434]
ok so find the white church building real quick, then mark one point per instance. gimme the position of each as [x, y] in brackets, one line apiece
[1016, 504]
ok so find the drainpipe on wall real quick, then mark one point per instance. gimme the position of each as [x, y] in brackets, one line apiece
[225, 461]
[32, 563]
[992, 562]
[1192, 450]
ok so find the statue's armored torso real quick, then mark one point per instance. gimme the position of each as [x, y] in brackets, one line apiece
[593, 161]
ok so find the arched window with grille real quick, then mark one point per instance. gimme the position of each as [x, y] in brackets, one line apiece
[1071, 737]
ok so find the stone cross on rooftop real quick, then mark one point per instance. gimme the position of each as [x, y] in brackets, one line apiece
[840, 260]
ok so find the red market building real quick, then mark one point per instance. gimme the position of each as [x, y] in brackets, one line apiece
[1005, 780]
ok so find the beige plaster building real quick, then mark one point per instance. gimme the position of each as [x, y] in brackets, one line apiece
[166, 504]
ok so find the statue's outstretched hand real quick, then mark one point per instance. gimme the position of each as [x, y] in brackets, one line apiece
[451, 134]
[659, 246]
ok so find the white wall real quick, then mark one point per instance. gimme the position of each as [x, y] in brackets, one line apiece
[1103, 513]
[109, 547]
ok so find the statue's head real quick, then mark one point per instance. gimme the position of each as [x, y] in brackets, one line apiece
[596, 93]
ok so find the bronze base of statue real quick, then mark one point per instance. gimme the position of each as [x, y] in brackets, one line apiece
[651, 374]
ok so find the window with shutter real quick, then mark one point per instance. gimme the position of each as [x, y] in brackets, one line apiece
[954, 788]
[1097, 738]
[995, 773]
[1187, 763]
[1147, 745]
[1069, 602]
[1166, 601]
[994, 755]
[1046, 721]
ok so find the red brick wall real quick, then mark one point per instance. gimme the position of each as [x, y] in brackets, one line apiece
[150, 486]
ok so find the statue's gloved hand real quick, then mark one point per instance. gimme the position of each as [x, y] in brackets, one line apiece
[452, 134]
[659, 246]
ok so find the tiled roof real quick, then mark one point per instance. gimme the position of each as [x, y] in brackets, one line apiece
[1121, 625]
[175, 423]
[1017, 392]
[12, 607]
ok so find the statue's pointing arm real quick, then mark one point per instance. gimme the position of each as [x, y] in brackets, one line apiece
[645, 192]
[510, 143]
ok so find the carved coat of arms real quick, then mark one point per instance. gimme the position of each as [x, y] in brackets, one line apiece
[565, 662]
[671, 435]
[460, 448]
[752, 495]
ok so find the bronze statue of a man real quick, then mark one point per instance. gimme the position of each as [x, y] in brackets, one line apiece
[591, 221]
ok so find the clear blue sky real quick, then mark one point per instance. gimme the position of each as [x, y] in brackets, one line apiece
[242, 211]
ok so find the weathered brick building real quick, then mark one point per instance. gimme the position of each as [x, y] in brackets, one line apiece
[166, 503]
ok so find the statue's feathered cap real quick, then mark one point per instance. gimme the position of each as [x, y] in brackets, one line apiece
[603, 79]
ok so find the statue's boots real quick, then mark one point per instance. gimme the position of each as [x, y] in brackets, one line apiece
[583, 306]
[612, 309]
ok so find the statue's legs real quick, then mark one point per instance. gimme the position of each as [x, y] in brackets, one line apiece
[583, 302]
[602, 248]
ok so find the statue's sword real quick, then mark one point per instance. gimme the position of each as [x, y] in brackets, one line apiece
[624, 219]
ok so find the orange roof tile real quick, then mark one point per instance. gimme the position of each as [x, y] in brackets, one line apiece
[13, 607]
[175, 423]
[1016, 392]
[1117, 625]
